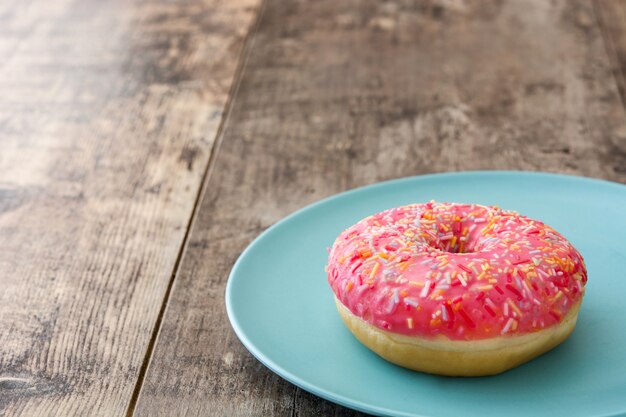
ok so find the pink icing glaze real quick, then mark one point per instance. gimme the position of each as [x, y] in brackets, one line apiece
[465, 271]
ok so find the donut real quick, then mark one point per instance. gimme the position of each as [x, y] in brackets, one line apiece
[456, 289]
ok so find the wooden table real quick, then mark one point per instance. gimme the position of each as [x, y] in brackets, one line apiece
[144, 144]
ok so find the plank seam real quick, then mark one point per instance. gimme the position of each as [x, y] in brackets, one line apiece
[242, 63]
[611, 51]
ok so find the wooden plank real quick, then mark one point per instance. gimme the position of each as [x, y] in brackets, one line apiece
[611, 15]
[341, 94]
[108, 115]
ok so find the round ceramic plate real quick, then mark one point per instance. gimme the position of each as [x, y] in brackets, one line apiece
[282, 309]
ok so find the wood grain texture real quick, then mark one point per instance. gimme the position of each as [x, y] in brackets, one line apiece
[341, 94]
[108, 115]
[611, 15]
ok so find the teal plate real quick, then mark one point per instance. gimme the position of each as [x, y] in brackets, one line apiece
[281, 306]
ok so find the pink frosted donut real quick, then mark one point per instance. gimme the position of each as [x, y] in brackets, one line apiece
[456, 289]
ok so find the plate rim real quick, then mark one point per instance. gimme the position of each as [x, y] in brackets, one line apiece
[323, 392]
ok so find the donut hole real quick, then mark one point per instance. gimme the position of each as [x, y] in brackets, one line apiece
[451, 238]
[458, 249]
